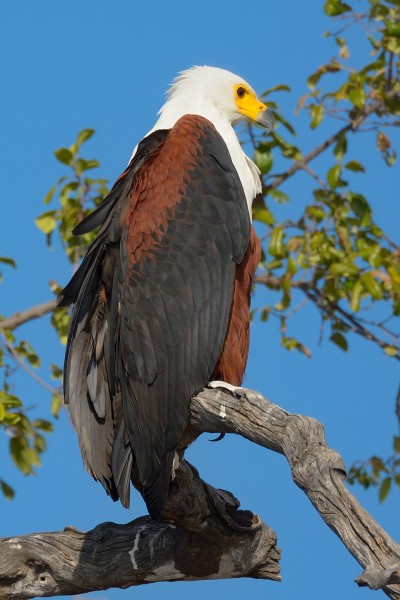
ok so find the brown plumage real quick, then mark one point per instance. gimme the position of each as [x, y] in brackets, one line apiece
[231, 364]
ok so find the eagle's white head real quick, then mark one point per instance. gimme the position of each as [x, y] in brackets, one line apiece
[224, 99]
[215, 93]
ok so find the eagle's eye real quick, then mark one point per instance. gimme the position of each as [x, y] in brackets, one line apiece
[241, 92]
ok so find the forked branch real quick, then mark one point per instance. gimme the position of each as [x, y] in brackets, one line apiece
[203, 534]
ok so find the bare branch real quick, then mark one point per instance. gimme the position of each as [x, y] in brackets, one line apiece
[317, 470]
[203, 535]
[24, 316]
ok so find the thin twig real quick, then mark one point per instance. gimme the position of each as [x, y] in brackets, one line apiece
[313, 174]
[347, 320]
[390, 71]
[27, 369]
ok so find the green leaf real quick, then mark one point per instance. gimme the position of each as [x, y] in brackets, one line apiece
[356, 296]
[33, 360]
[357, 96]
[64, 155]
[314, 78]
[263, 160]
[277, 88]
[7, 490]
[60, 320]
[354, 165]
[360, 207]
[291, 266]
[276, 245]
[392, 27]
[39, 443]
[292, 344]
[9, 400]
[378, 466]
[392, 44]
[339, 339]
[263, 215]
[333, 176]
[82, 165]
[279, 196]
[8, 261]
[391, 351]
[43, 425]
[23, 455]
[265, 314]
[12, 419]
[391, 158]
[343, 49]
[396, 444]
[335, 7]
[385, 488]
[315, 213]
[340, 148]
[56, 404]
[317, 114]
[82, 136]
[48, 197]
[56, 372]
[372, 285]
[46, 222]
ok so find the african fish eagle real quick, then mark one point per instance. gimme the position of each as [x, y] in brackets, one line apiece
[161, 299]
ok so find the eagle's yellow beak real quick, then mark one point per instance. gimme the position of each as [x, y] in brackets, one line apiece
[251, 107]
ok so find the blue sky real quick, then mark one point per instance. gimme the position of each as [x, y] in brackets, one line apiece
[70, 65]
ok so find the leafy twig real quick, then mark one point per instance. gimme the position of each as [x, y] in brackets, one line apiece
[29, 371]
[352, 126]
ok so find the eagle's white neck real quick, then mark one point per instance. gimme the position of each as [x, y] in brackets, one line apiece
[178, 106]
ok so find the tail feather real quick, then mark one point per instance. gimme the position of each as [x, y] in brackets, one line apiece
[121, 465]
[155, 495]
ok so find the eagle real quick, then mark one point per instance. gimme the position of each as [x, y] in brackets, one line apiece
[161, 299]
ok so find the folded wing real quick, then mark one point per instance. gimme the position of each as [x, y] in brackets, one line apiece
[152, 303]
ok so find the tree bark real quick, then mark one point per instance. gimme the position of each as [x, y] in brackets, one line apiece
[318, 470]
[23, 316]
[203, 534]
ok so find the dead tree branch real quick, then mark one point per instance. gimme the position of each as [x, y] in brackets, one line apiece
[316, 469]
[203, 534]
[21, 317]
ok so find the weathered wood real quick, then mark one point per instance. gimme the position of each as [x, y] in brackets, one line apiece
[203, 534]
[316, 469]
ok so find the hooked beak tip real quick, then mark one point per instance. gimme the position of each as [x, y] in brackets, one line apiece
[266, 119]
